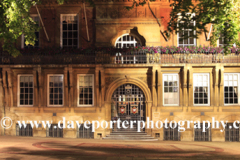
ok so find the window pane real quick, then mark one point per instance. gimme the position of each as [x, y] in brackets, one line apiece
[171, 95]
[85, 90]
[230, 88]
[26, 90]
[69, 31]
[55, 90]
[36, 19]
[201, 86]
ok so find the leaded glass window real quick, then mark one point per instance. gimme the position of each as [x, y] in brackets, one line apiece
[25, 90]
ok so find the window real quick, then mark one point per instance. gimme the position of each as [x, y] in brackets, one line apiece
[126, 41]
[24, 130]
[231, 82]
[55, 131]
[171, 134]
[25, 90]
[199, 135]
[36, 45]
[231, 133]
[201, 89]
[55, 90]
[221, 41]
[85, 89]
[83, 132]
[187, 32]
[69, 31]
[171, 89]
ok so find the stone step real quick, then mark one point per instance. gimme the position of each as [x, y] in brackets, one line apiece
[127, 135]
[130, 134]
[131, 138]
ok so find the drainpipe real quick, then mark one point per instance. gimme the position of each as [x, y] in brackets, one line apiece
[209, 33]
[85, 15]
[42, 24]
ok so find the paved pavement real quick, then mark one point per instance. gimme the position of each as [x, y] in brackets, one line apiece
[16, 148]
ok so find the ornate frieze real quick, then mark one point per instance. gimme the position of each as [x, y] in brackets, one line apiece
[109, 80]
[117, 12]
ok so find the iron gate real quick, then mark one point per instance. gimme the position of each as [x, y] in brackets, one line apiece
[231, 134]
[128, 104]
[24, 131]
[199, 135]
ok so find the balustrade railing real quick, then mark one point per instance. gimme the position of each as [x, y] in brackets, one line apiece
[120, 58]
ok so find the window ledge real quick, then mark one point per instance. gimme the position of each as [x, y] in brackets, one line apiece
[54, 109]
[202, 109]
[23, 109]
[85, 109]
[171, 109]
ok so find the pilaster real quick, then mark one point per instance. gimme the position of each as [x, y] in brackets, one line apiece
[66, 95]
[35, 82]
[71, 100]
[159, 88]
[40, 83]
[97, 97]
[10, 87]
[154, 92]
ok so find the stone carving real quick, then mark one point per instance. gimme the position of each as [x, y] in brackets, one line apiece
[141, 13]
[109, 80]
[149, 13]
[144, 79]
[102, 13]
[124, 13]
[113, 13]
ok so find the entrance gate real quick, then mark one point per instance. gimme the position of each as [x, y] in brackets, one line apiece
[128, 104]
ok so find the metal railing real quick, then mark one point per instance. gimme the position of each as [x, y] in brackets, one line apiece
[119, 58]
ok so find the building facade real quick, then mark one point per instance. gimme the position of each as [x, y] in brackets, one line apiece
[103, 86]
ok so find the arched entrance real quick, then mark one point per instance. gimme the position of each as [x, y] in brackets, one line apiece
[128, 104]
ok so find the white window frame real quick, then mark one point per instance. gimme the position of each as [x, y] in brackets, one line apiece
[208, 75]
[164, 92]
[119, 55]
[61, 31]
[84, 105]
[136, 40]
[18, 92]
[195, 40]
[238, 90]
[22, 37]
[48, 99]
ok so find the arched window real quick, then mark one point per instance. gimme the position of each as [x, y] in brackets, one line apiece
[126, 41]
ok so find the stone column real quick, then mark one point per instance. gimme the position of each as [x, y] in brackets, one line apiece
[1, 106]
[35, 82]
[5, 88]
[149, 114]
[154, 92]
[215, 85]
[102, 87]
[71, 104]
[185, 86]
[97, 98]
[159, 88]
[108, 115]
[10, 87]
[190, 89]
[66, 87]
[40, 83]
[221, 86]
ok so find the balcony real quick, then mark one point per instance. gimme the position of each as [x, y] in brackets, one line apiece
[117, 57]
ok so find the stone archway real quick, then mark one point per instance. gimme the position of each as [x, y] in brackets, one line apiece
[121, 81]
